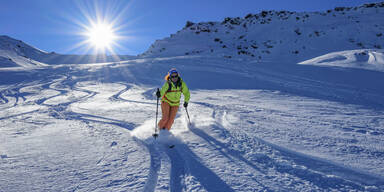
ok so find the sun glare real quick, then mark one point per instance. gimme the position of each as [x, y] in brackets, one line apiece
[101, 36]
[102, 26]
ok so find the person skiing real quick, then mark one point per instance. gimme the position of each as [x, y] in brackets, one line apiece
[170, 95]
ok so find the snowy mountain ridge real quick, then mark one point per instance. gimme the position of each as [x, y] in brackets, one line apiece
[360, 59]
[251, 124]
[279, 35]
[265, 37]
[15, 53]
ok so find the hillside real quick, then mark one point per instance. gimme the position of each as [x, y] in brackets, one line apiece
[279, 35]
[267, 36]
[274, 121]
[253, 128]
[359, 59]
[15, 53]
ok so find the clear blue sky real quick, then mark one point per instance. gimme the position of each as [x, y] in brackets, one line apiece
[54, 25]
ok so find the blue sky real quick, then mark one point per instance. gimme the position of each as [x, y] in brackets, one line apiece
[55, 25]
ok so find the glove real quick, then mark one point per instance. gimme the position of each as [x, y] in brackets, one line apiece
[158, 94]
[185, 104]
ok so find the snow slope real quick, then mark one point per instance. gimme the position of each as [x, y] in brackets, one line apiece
[11, 56]
[265, 124]
[279, 35]
[20, 54]
[265, 128]
[361, 59]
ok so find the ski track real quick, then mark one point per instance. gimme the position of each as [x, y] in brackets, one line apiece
[177, 170]
[155, 168]
[213, 157]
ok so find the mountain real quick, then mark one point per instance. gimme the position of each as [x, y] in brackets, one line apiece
[17, 53]
[252, 124]
[360, 59]
[266, 36]
[279, 35]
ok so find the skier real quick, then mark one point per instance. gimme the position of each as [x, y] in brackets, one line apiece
[170, 95]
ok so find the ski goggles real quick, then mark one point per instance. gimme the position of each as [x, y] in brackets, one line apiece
[174, 76]
[173, 72]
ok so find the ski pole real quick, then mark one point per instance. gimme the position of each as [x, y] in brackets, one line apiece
[157, 111]
[188, 116]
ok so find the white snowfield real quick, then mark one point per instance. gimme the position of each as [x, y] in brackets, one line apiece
[280, 101]
[361, 59]
[254, 127]
[15, 54]
[279, 35]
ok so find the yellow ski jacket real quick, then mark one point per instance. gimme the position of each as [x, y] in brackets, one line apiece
[172, 94]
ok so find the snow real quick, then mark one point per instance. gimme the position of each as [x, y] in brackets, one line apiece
[278, 35]
[17, 53]
[90, 128]
[361, 59]
[300, 124]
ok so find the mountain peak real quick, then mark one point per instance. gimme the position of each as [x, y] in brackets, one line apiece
[279, 35]
[13, 50]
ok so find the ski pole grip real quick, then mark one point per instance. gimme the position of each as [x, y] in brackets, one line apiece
[158, 93]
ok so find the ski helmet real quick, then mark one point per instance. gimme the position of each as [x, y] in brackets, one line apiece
[173, 71]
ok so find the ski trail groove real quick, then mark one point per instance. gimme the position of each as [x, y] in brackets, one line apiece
[316, 170]
[320, 173]
[4, 100]
[234, 156]
[193, 166]
[117, 96]
[177, 170]
[155, 165]
[319, 168]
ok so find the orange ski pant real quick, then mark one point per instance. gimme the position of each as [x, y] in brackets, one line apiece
[168, 115]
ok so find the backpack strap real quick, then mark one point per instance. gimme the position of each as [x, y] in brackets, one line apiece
[169, 86]
[178, 84]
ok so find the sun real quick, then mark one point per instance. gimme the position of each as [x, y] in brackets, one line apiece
[101, 27]
[101, 36]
